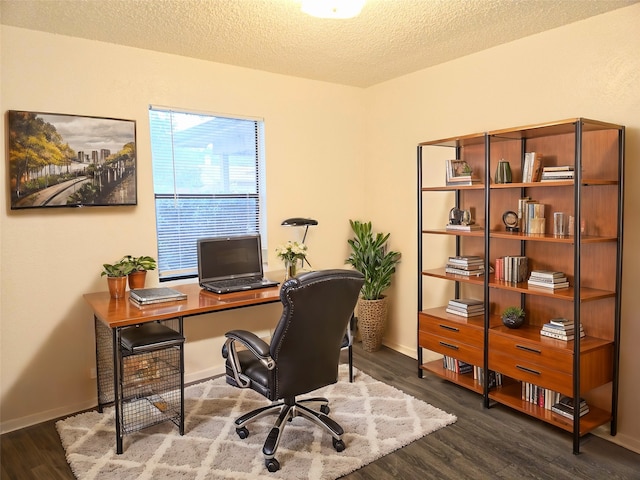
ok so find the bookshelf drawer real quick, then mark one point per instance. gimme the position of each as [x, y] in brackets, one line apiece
[446, 346]
[531, 372]
[531, 352]
[456, 331]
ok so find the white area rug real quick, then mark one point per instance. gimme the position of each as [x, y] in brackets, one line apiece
[376, 417]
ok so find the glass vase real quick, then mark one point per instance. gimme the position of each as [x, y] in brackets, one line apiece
[290, 269]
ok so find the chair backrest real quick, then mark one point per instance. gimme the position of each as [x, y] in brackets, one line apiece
[317, 307]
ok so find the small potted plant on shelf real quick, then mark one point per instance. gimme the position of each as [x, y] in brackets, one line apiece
[116, 274]
[371, 257]
[139, 267]
[513, 317]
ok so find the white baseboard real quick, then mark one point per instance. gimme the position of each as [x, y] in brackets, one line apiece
[28, 421]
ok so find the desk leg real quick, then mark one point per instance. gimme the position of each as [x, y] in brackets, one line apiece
[181, 331]
[117, 391]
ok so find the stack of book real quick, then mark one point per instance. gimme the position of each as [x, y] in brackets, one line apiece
[560, 329]
[512, 268]
[557, 174]
[468, 266]
[455, 365]
[150, 296]
[459, 173]
[465, 307]
[532, 167]
[548, 279]
[463, 228]
[565, 407]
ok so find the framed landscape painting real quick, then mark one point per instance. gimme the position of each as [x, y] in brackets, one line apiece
[60, 160]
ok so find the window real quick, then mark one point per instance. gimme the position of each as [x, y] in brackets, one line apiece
[207, 181]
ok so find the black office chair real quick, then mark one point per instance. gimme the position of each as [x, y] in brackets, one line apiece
[303, 355]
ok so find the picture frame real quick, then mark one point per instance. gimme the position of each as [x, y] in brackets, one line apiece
[62, 160]
[458, 168]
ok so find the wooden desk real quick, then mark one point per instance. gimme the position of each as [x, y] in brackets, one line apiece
[122, 313]
[111, 315]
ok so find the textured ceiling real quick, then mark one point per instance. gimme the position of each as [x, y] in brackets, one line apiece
[390, 37]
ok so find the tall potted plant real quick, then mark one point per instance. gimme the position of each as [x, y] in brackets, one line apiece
[139, 267]
[370, 256]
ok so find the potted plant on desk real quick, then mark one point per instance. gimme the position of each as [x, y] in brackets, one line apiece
[139, 267]
[116, 274]
[371, 257]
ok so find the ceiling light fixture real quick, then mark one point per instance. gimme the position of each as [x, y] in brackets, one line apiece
[332, 8]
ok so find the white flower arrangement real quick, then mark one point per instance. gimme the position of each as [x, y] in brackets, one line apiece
[290, 252]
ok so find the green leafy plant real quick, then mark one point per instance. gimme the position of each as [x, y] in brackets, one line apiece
[370, 256]
[513, 312]
[140, 264]
[118, 269]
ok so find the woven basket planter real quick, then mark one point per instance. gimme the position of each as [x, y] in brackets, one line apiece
[372, 316]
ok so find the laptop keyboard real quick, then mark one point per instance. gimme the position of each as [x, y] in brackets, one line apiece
[234, 282]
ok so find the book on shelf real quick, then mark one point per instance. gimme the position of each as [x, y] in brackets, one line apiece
[512, 268]
[548, 280]
[464, 228]
[149, 296]
[463, 182]
[561, 336]
[475, 266]
[466, 303]
[455, 365]
[540, 396]
[495, 378]
[559, 330]
[561, 168]
[552, 327]
[461, 271]
[468, 260]
[546, 274]
[532, 168]
[548, 285]
[463, 313]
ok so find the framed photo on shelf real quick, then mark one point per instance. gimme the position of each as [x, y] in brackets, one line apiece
[62, 160]
[457, 169]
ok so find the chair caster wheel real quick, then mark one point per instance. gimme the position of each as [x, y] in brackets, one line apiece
[338, 445]
[242, 432]
[325, 409]
[272, 465]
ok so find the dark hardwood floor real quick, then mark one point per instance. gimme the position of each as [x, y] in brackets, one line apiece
[482, 444]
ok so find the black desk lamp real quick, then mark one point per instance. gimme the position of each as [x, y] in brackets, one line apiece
[300, 222]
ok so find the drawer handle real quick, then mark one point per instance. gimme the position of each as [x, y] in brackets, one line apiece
[528, 370]
[528, 349]
[448, 345]
[447, 327]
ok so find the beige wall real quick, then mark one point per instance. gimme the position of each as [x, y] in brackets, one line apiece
[588, 69]
[50, 258]
[319, 139]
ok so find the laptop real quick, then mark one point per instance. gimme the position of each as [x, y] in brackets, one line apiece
[231, 264]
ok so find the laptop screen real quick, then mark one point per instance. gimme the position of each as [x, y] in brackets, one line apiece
[229, 257]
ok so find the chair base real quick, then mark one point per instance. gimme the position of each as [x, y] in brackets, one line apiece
[287, 410]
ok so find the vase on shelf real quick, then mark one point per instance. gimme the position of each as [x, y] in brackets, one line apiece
[503, 172]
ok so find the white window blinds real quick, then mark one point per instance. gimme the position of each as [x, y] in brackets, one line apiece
[206, 180]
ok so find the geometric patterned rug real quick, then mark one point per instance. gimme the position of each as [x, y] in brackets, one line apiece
[377, 419]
